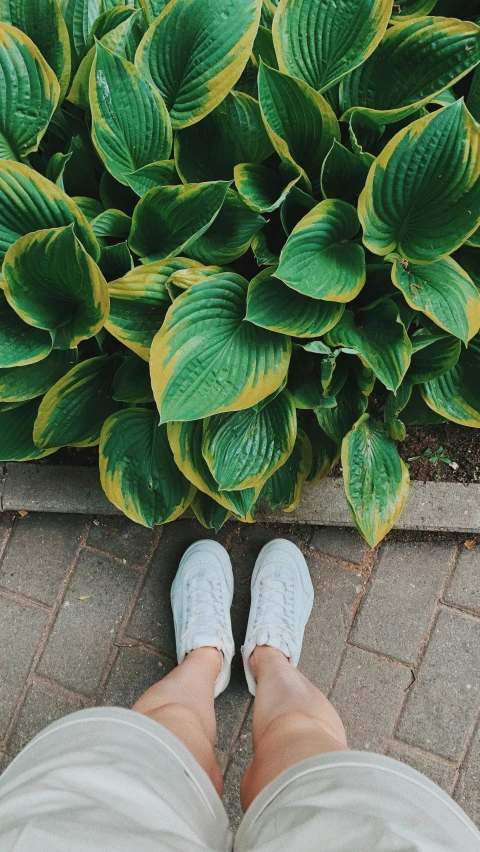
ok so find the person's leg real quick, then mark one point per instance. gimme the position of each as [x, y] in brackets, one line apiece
[184, 703]
[184, 700]
[292, 720]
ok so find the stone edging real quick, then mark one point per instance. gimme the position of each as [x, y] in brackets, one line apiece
[435, 506]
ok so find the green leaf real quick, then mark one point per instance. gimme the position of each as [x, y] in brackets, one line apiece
[456, 394]
[411, 52]
[375, 477]
[29, 202]
[209, 149]
[29, 93]
[230, 234]
[116, 40]
[112, 223]
[422, 196]
[325, 452]
[167, 219]
[139, 302]
[250, 139]
[52, 283]
[261, 188]
[18, 384]
[90, 207]
[263, 48]
[395, 403]
[56, 168]
[74, 410]
[186, 443]
[80, 16]
[417, 412]
[20, 344]
[444, 292]
[271, 304]
[435, 357]
[380, 337]
[137, 469]
[350, 404]
[318, 260]
[16, 430]
[115, 261]
[193, 76]
[406, 9]
[320, 41]
[300, 123]
[364, 135]
[208, 512]
[244, 448]
[305, 379]
[207, 358]
[473, 99]
[148, 177]
[474, 239]
[152, 8]
[130, 123]
[284, 487]
[42, 21]
[132, 381]
[343, 174]
[296, 204]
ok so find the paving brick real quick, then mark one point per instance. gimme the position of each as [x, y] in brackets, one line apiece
[38, 554]
[445, 698]
[84, 630]
[398, 607]
[368, 696]
[336, 591]
[241, 757]
[464, 588]
[437, 770]
[20, 631]
[42, 706]
[340, 542]
[467, 792]
[122, 538]
[135, 670]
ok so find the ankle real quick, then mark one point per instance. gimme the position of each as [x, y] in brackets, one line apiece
[209, 657]
[263, 656]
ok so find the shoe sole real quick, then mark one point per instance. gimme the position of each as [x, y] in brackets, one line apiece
[301, 564]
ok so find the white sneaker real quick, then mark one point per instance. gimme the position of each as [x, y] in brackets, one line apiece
[282, 600]
[201, 596]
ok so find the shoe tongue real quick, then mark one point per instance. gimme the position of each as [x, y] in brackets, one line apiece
[201, 640]
[274, 640]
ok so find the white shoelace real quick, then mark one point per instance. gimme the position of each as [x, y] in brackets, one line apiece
[276, 605]
[205, 607]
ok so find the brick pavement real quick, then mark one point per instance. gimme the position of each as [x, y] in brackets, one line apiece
[394, 636]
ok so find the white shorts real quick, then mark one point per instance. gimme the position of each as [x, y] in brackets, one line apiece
[111, 780]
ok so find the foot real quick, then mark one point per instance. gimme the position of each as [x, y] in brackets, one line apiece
[282, 600]
[201, 596]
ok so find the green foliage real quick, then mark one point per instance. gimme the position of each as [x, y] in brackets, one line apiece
[154, 156]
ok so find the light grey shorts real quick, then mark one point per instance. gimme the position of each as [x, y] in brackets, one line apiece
[111, 780]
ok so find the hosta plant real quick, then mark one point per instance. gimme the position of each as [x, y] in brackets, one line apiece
[239, 242]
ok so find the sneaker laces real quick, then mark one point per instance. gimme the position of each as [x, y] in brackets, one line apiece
[276, 604]
[204, 604]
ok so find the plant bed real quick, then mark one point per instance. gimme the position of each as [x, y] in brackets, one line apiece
[230, 267]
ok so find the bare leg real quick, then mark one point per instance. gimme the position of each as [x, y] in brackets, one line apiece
[292, 720]
[184, 703]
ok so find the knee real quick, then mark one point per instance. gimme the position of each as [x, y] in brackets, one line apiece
[296, 723]
[174, 713]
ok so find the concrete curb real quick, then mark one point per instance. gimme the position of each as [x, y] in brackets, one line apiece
[435, 506]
